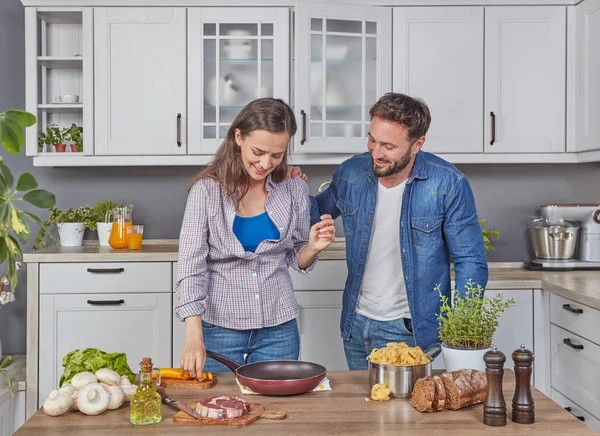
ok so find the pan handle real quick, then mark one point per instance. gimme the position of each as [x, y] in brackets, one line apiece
[231, 364]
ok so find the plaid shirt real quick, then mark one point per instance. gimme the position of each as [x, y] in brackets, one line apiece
[223, 283]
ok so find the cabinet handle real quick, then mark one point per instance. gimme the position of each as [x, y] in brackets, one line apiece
[581, 418]
[568, 308]
[105, 302]
[178, 130]
[493, 128]
[303, 127]
[105, 270]
[572, 345]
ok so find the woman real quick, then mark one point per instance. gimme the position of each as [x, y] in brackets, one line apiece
[244, 225]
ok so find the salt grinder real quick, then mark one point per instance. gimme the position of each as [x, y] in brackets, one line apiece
[494, 407]
[523, 409]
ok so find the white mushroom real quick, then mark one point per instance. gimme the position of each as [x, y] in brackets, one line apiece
[57, 403]
[93, 399]
[74, 397]
[81, 379]
[117, 397]
[108, 376]
[68, 388]
[127, 387]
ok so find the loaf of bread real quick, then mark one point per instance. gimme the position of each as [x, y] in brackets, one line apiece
[464, 388]
[451, 390]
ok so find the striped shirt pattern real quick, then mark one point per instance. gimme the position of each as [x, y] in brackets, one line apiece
[223, 283]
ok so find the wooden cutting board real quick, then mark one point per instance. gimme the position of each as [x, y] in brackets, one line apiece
[257, 411]
[170, 383]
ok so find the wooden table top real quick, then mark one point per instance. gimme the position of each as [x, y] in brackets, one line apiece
[341, 411]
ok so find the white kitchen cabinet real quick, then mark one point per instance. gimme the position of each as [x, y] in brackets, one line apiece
[525, 63]
[319, 325]
[582, 76]
[12, 414]
[140, 81]
[438, 56]
[342, 66]
[235, 55]
[136, 324]
[577, 411]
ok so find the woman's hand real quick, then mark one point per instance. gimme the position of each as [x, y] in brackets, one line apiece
[322, 234]
[193, 355]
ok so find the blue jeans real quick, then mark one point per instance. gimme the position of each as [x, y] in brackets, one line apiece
[281, 342]
[368, 334]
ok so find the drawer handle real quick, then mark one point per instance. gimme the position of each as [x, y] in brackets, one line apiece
[105, 270]
[572, 345]
[568, 308]
[581, 418]
[105, 302]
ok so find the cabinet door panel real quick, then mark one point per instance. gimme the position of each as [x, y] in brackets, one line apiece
[140, 81]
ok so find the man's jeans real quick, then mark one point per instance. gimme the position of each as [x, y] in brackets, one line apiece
[281, 342]
[368, 334]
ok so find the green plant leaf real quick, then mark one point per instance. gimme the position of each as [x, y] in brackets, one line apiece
[14, 248]
[11, 135]
[40, 198]
[33, 218]
[8, 360]
[22, 118]
[4, 208]
[11, 267]
[7, 175]
[26, 182]
[19, 224]
[8, 382]
[3, 250]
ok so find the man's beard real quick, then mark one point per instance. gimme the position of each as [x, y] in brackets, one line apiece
[396, 166]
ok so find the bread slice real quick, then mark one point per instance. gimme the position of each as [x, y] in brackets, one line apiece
[464, 387]
[439, 398]
[423, 394]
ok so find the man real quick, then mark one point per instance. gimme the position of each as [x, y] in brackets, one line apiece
[406, 215]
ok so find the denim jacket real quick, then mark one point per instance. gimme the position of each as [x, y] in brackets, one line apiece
[439, 223]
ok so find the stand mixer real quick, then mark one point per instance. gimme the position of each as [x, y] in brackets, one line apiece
[557, 236]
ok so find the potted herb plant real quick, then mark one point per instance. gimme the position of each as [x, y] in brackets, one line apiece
[98, 221]
[467, 326]
[70, 223]
[56, 137]
[75, 135]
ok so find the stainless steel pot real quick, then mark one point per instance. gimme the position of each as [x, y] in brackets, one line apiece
[400, 379]
[554, 241]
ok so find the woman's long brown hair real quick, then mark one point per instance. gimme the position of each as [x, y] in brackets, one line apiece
[270, 114]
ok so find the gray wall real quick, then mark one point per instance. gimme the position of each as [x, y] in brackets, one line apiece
[506, 194]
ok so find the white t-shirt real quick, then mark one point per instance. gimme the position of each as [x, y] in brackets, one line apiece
[383, 292]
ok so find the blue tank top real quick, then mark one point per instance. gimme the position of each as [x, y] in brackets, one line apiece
[252, 231]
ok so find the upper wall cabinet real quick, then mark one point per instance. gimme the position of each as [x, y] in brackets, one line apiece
[235, 55]
[342, 66]
[525, 63]
[140, 81]
[584, 92]
[438, 56]
[59, 78]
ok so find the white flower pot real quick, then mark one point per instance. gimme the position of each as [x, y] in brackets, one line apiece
[71, 234]
[460, 358]
[104, 233]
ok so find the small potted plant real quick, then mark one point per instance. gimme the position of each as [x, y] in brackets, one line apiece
[70, 224]
[75, 135]
[43, 141]
[98, 221]
[467, 326]
[55, 136]
[487, 234]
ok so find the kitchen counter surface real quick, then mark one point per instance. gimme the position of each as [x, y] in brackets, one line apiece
[341, 411]
[17, 374]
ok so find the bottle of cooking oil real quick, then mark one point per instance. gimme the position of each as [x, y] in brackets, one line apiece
[146, 403]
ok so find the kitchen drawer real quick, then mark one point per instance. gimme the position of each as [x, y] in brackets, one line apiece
[585, 324]
[576, 410]
[574, 372]
[328, 275]
[102, 278]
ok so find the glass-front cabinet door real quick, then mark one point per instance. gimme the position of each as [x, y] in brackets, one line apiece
[343, 65]
[235, 55]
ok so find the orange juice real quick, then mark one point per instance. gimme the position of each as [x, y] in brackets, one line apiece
[135, 241]
[118, 234]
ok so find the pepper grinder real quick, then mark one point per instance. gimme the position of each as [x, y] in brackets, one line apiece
[523, 408]
[494, 407]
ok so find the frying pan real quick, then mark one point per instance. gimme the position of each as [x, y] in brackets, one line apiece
[275, 377]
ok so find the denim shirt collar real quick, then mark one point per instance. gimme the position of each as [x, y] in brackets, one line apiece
[418, 171]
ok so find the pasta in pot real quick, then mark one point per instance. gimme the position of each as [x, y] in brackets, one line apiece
[398, 353]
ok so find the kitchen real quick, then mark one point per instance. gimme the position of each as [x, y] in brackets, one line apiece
[520, 183]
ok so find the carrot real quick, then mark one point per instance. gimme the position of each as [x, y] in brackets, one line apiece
[179, 374]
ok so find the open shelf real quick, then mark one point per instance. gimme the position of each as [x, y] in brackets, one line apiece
[70, 62]
[61, 107]
[60, 17]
